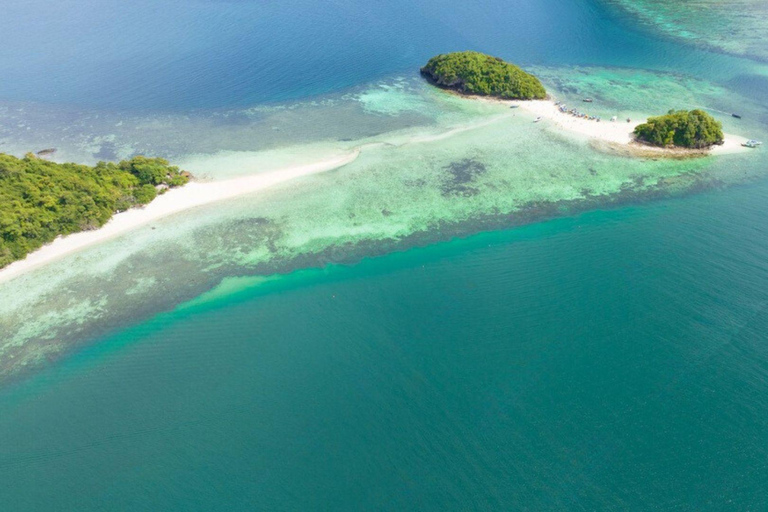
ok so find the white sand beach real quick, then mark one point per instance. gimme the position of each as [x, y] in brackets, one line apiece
[177, 200]
[615, 132]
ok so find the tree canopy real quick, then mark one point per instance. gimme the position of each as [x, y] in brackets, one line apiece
[477, 73]
[686, 129]
[40, 200]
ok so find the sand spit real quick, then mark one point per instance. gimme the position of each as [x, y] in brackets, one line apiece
[617, 132]
[617, 136]
[174, 201]
[613, 136]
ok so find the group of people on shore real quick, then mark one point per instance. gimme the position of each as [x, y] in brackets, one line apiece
[576, 113]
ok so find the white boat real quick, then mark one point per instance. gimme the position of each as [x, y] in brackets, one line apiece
[537, 119]
[752, 144]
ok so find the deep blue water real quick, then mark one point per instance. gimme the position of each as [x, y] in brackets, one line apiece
[181, 55]
[612, 361]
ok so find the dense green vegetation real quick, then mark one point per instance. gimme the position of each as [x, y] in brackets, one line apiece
[682, 128]
[40, 200]
[477, 73]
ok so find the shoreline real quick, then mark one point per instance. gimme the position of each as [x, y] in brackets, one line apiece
[191, 195]
[614, 134]
[615, 137]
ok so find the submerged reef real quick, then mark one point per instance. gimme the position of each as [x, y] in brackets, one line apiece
[736, 27]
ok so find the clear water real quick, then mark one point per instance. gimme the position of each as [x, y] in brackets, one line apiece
[202, 54]
[332, 344]
[612, 360]
[736, 28]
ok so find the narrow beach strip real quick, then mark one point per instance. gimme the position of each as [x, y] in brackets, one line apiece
[615, 132]
[174, 201]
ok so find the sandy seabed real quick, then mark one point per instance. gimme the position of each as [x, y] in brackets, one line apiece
[615, 134]
[173, 201]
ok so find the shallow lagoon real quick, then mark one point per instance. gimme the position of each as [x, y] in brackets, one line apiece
[443, 167]
[731, 27]
[571, 364]
[608, 359]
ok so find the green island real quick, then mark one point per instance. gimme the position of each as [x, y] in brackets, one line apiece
[480, 74]
[40, 200]
[694, 129]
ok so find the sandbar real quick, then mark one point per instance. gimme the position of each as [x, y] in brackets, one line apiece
[619, 132]
[194, 194]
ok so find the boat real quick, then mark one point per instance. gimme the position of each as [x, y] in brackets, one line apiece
[587, 100]
[752, 144]
[737, 116]
[538, 119]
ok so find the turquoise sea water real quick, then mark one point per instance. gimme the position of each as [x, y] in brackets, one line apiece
[615, 360]
[593, 340]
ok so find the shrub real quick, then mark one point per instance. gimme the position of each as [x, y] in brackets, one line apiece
[145, 194]
[40, 200]
[477, 73]
[686, 129]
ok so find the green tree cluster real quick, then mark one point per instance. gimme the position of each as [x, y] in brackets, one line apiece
[682, 128]
[477, 73]
[40, 200]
